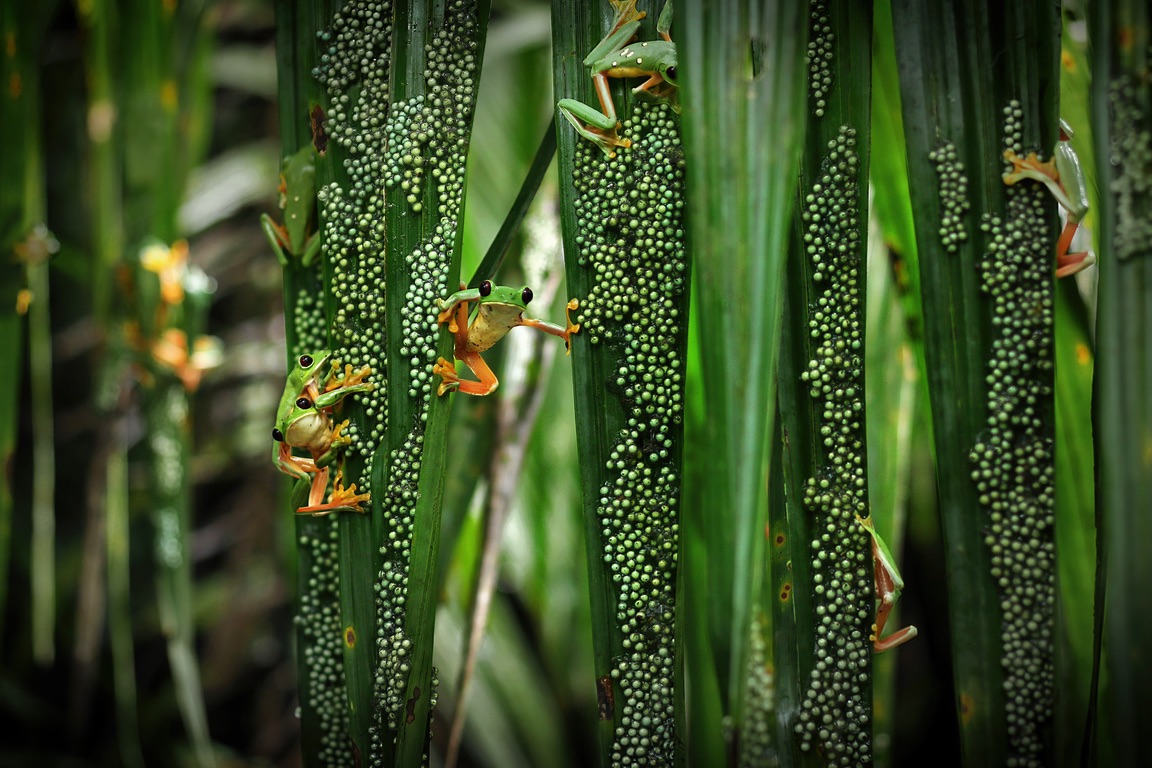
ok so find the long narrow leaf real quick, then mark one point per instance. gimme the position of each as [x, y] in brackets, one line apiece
[1121, 122]
[821, 391]
[400, 82]
[969, 89]
[742, 68]
[622, 216]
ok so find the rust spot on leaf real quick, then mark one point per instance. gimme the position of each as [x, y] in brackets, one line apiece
[411, 718]
[317, 118]
[967, 707]
[350, 636]
[605, 698]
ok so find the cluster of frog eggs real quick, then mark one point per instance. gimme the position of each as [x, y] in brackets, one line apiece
[953, 190]
[633, 243]
[1013, 460]
[757, 738]
[429, 133]
[357, 49]
[451, 65]
[357, 329]
[308, 320]
[629, 212]
[392, 644]
[820, 38]
[836, 712]
[357, 53]
[446, 113]
[1132, 180]
[319, 622]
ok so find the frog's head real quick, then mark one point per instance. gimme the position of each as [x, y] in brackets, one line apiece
[502, 294]
[302, 425]
[309, 365]
[668, 71]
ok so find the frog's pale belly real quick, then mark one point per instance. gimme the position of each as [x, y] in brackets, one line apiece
[492, 321]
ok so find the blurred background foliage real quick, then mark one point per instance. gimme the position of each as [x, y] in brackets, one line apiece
[204, 173]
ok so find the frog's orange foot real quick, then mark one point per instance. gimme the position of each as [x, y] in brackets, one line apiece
[446, 371]
[572, 327]
[608, 140]
[893, 640]
[1071, 263]
[350, 379]
[445, 316]
[1029, 167]
[340, 500]
[339, 438]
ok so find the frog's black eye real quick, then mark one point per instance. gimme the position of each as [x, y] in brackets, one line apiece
[670, 74]
[277, 435]
[486, 288]
[306, 361]
[526, 295]
[304, 403]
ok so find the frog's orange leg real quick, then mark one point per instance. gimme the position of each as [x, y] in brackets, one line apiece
[608, 135]
[555, 330]
[445, 369]
[340, 500]
[487, 380]
[1071, 263]
[298, 467]
[1031, 167]
[456, 318]
[447, 372]
[651, 82]
[886, 586]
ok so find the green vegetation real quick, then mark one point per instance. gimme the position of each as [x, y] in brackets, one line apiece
[817, 360]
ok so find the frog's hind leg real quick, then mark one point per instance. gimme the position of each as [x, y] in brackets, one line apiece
[886, 586]
[340, 500]
[487, 380]
[316, 490]
[1070, 263]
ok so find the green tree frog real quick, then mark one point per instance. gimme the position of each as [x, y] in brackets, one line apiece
[499, 309]
[295, 237]
[304, 420]
[614, 56]
[888, 587]
[1064, 177]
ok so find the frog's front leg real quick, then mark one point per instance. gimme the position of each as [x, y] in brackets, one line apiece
[454, 309]
[277, 238]
[336, 389]
[336, 444]
[456, 315]
[555, 330]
